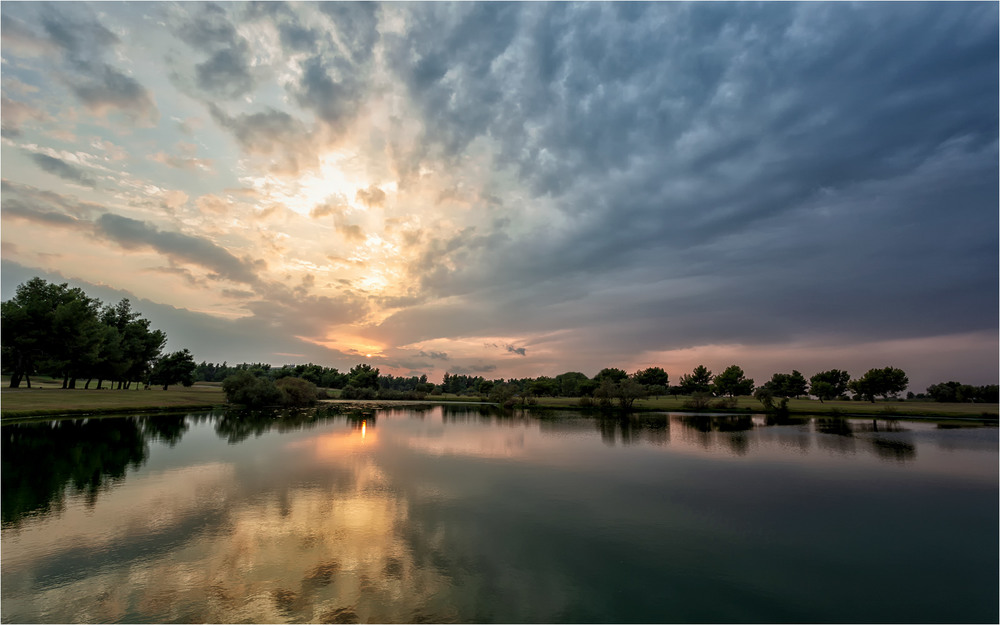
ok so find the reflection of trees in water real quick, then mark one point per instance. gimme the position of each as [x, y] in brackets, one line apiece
[238, 425]
[40, 460]
[468, 412]
[890, 449]
[729, 430]
[168, 428]
[631, 429]
[845, 435]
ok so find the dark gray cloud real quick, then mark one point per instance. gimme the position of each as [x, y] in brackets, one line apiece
[332, 88]
[64, 170]
[17, 208]
[271, 133]
[771, 151]
[42, 200]
[209, 28]
[357, 26]
[227, 72]
[132, 234]
[475, 369]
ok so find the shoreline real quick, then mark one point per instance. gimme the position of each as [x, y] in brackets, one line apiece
[877, 411]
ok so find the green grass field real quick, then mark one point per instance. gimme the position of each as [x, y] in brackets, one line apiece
[49, 399]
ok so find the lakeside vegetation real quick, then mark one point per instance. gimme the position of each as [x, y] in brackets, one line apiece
[59, 335]
[47, 399]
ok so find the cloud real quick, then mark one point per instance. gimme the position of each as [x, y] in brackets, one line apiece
[372, 196]
[351, 232]
[83, 42]
[472, 369]
[20, 209]
[186, 163]
[63, 169]
[592, 181]
[16, 113]
[334, 205]
[107, 89]
[133, 234]
[271, 133]
[227, 72]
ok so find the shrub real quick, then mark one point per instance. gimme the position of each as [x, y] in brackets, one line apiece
[354, 392]
[249, 390]
[297, 391]
[727, 403]
[388, 393]
[699, 401]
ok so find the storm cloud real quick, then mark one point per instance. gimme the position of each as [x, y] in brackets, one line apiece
[63, 169]
[132, 233]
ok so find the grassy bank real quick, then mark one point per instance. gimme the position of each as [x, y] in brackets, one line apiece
[47, 400]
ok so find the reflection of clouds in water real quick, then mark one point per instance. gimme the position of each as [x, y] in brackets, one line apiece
[311, 554]
[477, 443]
[152, 503]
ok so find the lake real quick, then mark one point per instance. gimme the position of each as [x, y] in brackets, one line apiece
[463, 514]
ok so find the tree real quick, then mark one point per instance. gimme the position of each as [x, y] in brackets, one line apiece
[698, 381]
[174, 368]
[503, 394]
[787, 384]
[612, 374]
[627, 391]
[884, 382]
[652, 376]
[48, 326]
[363, 376]
[957, 392]
[733, 382]
[544, 386]
[829, 384]
[75, 335]
[571, 383]
[142, 348]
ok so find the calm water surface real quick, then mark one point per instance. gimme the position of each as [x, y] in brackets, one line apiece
[459, 514]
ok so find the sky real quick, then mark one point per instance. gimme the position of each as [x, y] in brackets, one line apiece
[518, 189]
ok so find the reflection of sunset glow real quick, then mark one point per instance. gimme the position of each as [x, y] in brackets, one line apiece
[334, 446]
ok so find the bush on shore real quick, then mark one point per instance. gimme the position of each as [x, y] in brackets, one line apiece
[253, 391]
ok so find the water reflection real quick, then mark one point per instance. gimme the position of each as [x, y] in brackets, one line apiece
[41, 461]
[630, 429]
[440, 514]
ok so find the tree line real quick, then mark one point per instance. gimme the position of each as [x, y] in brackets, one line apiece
[612, 386]
[51, 329]
[55, 330]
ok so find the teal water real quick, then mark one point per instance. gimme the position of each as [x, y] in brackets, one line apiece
[460, 514]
